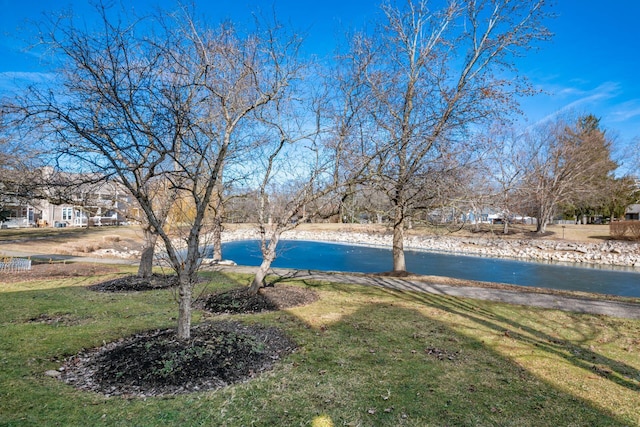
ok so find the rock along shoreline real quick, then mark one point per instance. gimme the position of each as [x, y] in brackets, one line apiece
[609, 253]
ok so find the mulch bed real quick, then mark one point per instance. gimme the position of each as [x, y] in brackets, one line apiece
[135, 283]
[157, 363]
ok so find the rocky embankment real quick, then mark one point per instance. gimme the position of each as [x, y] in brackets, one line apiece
[605, 253]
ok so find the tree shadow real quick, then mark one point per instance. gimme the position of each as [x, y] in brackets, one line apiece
[274, 277]
[607, 238]
[580, 356]
[463, 380]
[367, 356]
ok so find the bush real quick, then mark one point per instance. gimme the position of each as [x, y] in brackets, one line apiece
[625, 230]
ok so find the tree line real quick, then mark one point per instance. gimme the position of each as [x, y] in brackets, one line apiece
[409, 118]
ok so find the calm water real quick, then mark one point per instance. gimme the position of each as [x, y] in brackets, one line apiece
[361, 259]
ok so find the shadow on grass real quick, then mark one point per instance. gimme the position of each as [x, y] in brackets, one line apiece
[382, 364]
[602, 237]
[580, 356]
[387, 351]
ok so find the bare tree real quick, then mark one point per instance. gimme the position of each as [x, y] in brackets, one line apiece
[503, 168]
[476, 194]
[21, 173]
[159, 100]
[282, 206]
[567, 163]
[436, 73]
[317, 156]
[161, 196]
[621, 192]
[290, 179]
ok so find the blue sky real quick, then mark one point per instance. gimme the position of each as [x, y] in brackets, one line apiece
[592, 64]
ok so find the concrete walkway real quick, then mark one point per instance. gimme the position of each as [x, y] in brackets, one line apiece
[69, 258]
[575, 304]
[557, 302]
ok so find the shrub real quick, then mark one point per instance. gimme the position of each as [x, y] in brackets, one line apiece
[625, 230]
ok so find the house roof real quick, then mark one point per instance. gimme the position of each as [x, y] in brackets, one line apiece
[633, 209]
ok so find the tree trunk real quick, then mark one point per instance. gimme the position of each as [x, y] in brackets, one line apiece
[268, 255]
[476, 218]
[258, 279]
[145, 269]
[184, 310]
[187, 274]
[399, 264]
[217, 239]
[541, 226]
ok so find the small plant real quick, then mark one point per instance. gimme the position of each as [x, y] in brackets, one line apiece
[168, 368]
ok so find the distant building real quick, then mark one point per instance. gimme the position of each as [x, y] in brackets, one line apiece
[69, 204]
[105, 203]
[16, 209]
[15, 214]
[632, 213]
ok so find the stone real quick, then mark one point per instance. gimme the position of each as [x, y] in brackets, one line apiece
[607, 253]
[53, 373]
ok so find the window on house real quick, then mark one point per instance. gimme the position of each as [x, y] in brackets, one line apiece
[67, 214]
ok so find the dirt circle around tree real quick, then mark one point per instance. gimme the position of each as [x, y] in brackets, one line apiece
[157, 363]
[219, 353]
[133, 283]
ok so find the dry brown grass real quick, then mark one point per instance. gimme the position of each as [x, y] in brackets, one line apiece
[69, 241]
[590, 233]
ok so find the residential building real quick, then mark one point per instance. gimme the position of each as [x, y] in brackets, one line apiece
[632, 213]
[70, 202]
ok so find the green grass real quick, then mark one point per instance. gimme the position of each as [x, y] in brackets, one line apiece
[366, 357]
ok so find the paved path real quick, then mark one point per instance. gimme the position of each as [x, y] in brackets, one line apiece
[70, 258]
[558, 302]
[580, 305]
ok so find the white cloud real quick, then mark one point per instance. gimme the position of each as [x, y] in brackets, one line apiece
[607, 90]
[625, 111]
[11, 81]
[575, 99]
[25, 76]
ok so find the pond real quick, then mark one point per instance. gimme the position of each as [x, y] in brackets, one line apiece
[363, 259]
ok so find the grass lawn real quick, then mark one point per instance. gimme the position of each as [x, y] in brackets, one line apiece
[366, 357]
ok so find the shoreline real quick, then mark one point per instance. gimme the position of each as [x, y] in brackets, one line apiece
[608, 253]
